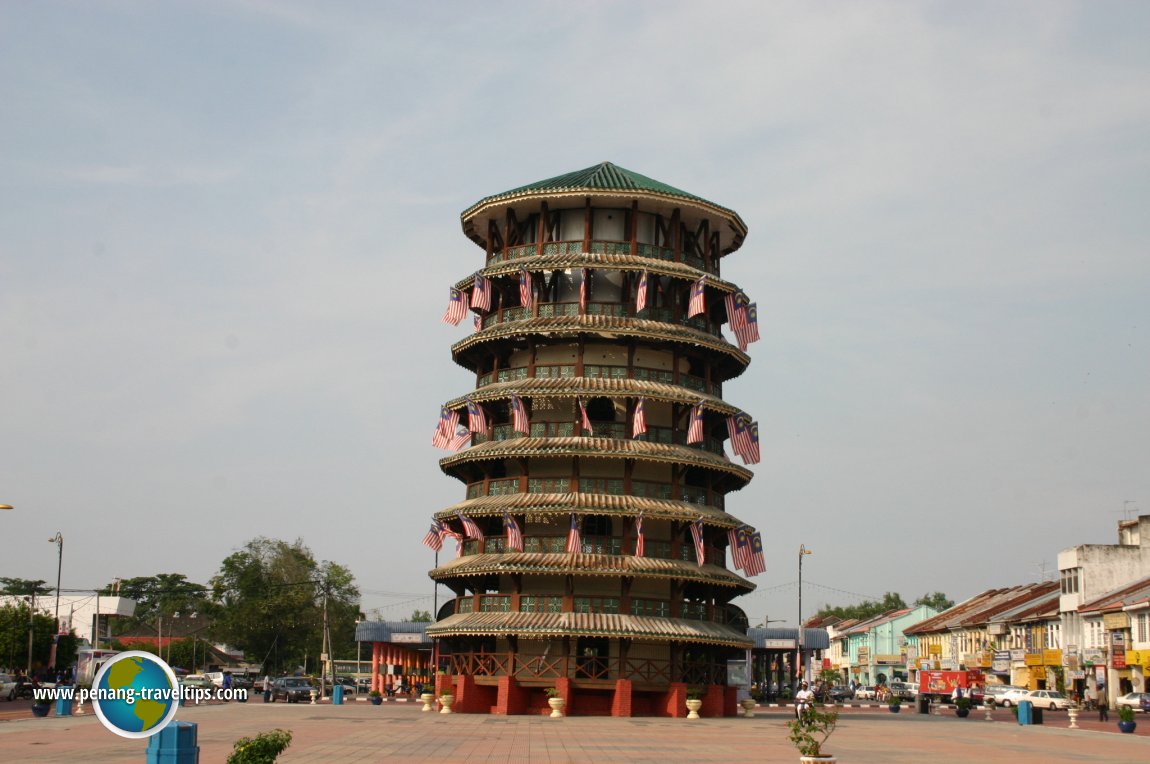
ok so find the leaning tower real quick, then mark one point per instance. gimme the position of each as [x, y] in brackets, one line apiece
[591, 453]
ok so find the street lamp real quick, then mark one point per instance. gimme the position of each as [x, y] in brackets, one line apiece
[58, 540]
[803, 552]
[6, 506]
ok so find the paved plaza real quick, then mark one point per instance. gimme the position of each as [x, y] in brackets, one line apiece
[360, 732]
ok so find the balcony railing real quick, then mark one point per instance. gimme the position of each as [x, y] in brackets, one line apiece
[596, 371]
[654, 608]
[610, 486]
[558, 309]
[643, 670]
[616, 430]
[598, 246]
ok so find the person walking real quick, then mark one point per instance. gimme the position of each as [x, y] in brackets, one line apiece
[267, 688]
[1103, 708]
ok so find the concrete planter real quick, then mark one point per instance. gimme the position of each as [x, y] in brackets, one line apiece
[748, 707]
[447, 701]
[823, 759]
[557, 705]
[693, 707]
[428, 698]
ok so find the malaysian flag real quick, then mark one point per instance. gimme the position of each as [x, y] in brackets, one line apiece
[695, 430]
[476, 419]
[470, 529]
[586, 420]
[743, 545]
[697, 534]
[639, 421]
[514, 535]
[733, 545]
[481, 292]
[526, 292]
[478, 323]
[753, 322]
[641, 295]
[456, 307]
[574, 542]
[459, 440]
[698, 303]
[434, 537]
[458, 541]
[519, 421]
[583, 277]
[736, 309]
[640, 544]
[445, 430]
[739, 433]
[752, 455]
[755, 562]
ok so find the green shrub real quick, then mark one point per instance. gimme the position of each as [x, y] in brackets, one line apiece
[810, 731]
[1125, 714]
[264, 748]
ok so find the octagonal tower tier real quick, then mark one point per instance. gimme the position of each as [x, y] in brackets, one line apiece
[589, 494]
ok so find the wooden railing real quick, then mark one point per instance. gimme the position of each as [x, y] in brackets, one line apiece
[609, 486]
[645, 670]
[600, 371]
[598, 247]
[556, 309]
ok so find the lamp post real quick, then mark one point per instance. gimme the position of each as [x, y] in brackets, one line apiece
[6, 506]
[58, 540]
[799, 667]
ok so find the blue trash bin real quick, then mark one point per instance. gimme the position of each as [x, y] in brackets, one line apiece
[337, 695]
[175, 744]
[1025, 712]
[64, 705]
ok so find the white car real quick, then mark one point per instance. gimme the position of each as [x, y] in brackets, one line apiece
[864, 692]
[1011, 697]
[1132, 699]
[7, 686]
[1047, 699]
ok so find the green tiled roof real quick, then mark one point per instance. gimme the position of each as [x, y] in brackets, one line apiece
[601, 177]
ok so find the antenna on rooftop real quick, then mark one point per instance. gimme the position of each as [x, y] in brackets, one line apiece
[1042, 566]
[1126, 509]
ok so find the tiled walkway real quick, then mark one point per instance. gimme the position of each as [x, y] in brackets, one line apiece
[401, 732]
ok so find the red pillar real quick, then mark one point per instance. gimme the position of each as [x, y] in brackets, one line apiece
[375, 652]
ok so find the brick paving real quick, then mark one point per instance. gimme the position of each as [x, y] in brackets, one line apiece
[360, 732]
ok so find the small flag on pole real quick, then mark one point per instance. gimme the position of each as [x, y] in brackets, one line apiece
[641, 295]
[640, 545]
[697, 534]
[526, 292]
[456, 307]
[476, 419]
[695, 429]
[481, 292]
[574, 542]
[445, 429]
[519, 421]
[586, 420]
[434, 537]
[470, 529]
[639, 421]
[514, 535]
[698, 303]
[583, 277]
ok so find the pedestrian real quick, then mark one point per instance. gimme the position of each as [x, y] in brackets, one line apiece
[267, 688]
[227, 686]
[1103, 709]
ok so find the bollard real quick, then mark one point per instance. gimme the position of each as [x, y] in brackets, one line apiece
[337, 695]
[63, 705]
[175, 744]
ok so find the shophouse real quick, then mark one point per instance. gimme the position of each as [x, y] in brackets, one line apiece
[1024, 643]
[874, 650]
[1116, 647]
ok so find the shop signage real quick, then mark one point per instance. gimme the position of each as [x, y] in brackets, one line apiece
[1033, 659]
[1001, 662]
[888, 660]
[1116, 621]
[1052, 657]
[1117, 649]
[778, 644]
[934, 649]
[1017, 655]
[864, 655]
[1093, 657]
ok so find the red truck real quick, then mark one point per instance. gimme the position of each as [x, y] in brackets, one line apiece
[939, 685]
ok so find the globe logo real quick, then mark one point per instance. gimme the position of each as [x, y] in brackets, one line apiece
[135, 694]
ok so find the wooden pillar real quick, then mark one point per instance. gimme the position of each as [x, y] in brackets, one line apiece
[634, 234]
[587, 226]
[375, 651]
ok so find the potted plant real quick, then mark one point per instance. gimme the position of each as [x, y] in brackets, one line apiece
[1126, 721]
[962, 707]
[894, 702]
[376, 697]
[428, 698]
[446, 700]
[264, 748]
[41, 708]
[694, 702]
[810, 731]
[556, 701]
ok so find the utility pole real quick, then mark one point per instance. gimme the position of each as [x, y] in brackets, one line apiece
[31, 627]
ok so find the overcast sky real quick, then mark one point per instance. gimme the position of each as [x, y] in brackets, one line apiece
[227, 230]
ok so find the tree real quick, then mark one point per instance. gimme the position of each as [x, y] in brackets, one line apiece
[159, 596]
[14, 638]
[420, 616]
[268, 602]
[23, 587]
[863, 610]
[936, 600]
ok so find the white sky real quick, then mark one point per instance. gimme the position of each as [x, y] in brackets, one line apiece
[227, 232]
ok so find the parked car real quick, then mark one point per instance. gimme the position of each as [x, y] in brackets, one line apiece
[1051, 699]
[1146, 702]
[292, 689]
[903, 690]
[198, 681]
[1012, 696]
[1133, 700]
[363, 684]
[839, 693]
[996, 692]
[865, 692]
[7, 687]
